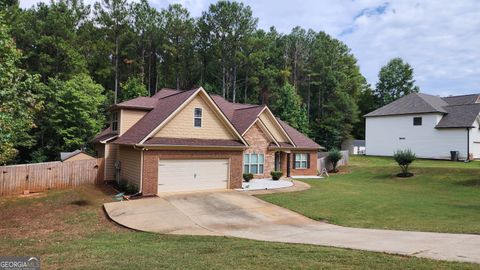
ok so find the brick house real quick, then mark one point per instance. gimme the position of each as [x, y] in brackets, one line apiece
[190, 140]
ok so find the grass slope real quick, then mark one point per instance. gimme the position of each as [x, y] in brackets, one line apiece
[443, 196]
[69, 230]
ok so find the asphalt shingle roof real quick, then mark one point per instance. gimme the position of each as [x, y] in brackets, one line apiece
[164, 103]
[458, 111]
[411, 104]
[459, 116]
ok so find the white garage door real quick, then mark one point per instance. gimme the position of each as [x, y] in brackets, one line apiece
[190, 175]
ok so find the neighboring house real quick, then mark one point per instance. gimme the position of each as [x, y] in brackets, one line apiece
[430, 126]
[75, 155]
[354, 147]
[189, 140]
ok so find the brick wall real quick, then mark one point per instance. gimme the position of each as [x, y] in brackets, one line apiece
[259, 143]
[312, 170]
[151, 158]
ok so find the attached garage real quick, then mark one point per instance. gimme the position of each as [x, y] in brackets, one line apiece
[180, 175]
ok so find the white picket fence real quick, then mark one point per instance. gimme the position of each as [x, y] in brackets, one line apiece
[322, 161]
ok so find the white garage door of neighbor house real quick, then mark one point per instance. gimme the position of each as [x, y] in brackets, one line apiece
[192, 174]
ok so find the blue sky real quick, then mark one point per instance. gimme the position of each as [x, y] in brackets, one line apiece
[440, 39]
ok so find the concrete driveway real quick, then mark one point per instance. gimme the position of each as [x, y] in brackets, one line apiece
[238, 214]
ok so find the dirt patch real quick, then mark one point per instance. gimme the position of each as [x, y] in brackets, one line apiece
[63, 213]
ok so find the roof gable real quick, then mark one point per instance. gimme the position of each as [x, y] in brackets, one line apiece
[159, 124]
[182, 124]
[164, 108]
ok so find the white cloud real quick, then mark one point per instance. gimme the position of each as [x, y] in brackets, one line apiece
[440, 39]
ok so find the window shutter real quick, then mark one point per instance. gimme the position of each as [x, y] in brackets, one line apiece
[293, 160]
[308, 161]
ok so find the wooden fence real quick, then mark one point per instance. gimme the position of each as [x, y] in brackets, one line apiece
[323, 163]
[36, 177]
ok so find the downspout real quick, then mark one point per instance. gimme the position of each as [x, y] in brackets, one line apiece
[140, 188]
[468, 145]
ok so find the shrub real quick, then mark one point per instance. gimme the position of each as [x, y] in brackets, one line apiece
[128, 187]
[131, 189]
[404, 158]
[247, 177]
[276, 175]
[333, 157]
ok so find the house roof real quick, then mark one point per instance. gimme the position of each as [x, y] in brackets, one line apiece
[193, 142]
[459, 116]
[66, 155]
[461, 100]
[106, 134]
[243, 118]
[300, 140]
[412, 104]
[457, 111]
[166, 101]
[358, 143]
[142, 103]
[164, 107]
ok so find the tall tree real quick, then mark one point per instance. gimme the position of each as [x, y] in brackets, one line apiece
[146, 24]
[338, 84]
[395, 80]
[230, 23]
[18, 102]
[48, 36]
[112, 15]
[178, 44]
[289, 107]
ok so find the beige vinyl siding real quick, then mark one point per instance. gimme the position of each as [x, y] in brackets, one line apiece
[111, 151]
[273, 126]
[181, 126]
[80, 156]
[130, 160]
[128, 118]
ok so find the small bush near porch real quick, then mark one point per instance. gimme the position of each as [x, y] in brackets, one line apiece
[442, 196]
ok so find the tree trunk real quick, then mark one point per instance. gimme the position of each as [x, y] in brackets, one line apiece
[246, 87]
[223, 78]
[116, 69]
[234, 82]
[308, 99]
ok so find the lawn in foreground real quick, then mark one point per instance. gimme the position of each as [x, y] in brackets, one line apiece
[443, 196]
[68, 229]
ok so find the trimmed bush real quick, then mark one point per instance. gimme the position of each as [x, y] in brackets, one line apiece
[128, 187]
[404, 158]
[247, 177]
[334, 156]
[276, 175]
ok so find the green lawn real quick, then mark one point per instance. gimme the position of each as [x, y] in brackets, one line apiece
[68, 229]
[443, 196]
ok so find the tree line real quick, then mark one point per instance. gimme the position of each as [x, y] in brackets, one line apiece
[65, 63]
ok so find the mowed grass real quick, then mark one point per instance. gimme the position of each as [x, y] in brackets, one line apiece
[443, 196]
[68, 230]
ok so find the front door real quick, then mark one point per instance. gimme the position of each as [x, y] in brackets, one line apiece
[277, 162]
[288, 165]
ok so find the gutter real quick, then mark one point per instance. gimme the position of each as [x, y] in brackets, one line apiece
[189, 146]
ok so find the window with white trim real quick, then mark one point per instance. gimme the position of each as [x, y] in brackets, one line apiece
[114, 121]
[301, 161]
[197, 117]
[253, 163]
